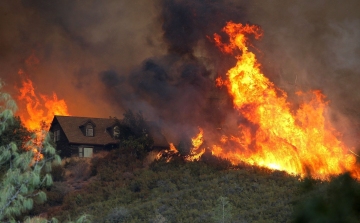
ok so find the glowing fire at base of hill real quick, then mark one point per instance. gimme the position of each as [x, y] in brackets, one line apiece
[301, 142]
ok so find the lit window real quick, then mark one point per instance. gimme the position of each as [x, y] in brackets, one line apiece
[88, 152]
[89, 130]
[85, 151]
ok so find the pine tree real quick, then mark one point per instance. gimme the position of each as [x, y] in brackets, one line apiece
[22, 175]
[222, 213]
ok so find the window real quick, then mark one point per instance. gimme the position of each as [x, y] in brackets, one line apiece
[88, 152]
[81, 152]
[56, 135]
[89, 130]
[85, 151]
[116, 132]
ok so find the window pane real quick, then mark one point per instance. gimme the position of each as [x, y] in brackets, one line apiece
[81, 154]
[88, 152]
[56, 135]
[90, 132]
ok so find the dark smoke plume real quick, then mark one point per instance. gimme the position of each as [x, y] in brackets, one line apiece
[104, 57]
[175, 89]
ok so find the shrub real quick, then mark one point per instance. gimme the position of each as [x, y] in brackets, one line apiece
[119, 214]
[58, 172]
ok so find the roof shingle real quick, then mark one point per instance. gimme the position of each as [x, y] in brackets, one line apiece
[71, 127]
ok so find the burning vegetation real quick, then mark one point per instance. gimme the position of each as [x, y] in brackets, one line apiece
[253, 121]
[39, 112]
[301, 142]
[40, 109]
[246, 119]
[271, 134]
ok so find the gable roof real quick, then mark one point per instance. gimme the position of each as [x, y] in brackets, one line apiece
[89, 121]
[71, 127]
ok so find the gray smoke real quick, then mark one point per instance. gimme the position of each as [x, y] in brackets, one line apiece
[175, 88]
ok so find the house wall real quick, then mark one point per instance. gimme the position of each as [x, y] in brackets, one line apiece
[75, 149]
[62, 144]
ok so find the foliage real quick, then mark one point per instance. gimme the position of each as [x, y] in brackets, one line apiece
[337, 201]
[57, 172]
[119, 214]
[180, 192]
[15, 132]
[22, 177]
[222, 213]
[81, 219]
[184, 146]
[134, 134]
[217, 162]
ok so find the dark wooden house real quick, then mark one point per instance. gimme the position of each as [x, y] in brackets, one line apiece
[84, 136]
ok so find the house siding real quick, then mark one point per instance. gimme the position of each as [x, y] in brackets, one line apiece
[103, 139]
[62, 144]
[75, 149]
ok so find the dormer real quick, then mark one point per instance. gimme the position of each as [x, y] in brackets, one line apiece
[88, 128]
[114, 130]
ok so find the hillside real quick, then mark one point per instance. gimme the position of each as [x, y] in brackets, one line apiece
[119, 189]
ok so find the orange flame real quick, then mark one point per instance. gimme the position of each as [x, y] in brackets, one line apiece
[300, 143]
[195, 151]
[39, 112]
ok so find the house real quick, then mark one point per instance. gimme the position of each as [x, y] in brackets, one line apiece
[84, 136]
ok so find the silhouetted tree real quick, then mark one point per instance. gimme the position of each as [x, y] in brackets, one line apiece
[339, 201]
[15, 132]
[24, 173]
[134, 134]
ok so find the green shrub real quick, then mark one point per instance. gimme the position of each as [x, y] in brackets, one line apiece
[119, 214]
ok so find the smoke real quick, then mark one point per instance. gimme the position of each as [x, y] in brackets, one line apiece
[104, 57]
[74, 42]
[175, 88]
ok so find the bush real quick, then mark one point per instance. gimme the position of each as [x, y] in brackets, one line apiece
[336, 201]
[119, 214]
[78, 168]
[58, 172]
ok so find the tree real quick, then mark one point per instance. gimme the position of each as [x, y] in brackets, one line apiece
[15, 132]
[185, 145]
[222, 213]
[334, 201]
[23, 174]
[134, 134]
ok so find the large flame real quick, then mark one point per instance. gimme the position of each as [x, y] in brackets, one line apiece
[37, 111]
[301, 142]
[40, 109]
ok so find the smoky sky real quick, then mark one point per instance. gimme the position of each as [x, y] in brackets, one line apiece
[104, 57]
